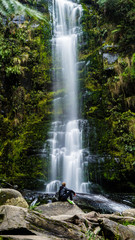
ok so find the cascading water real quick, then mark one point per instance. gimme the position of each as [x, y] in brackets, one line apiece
[67, 162]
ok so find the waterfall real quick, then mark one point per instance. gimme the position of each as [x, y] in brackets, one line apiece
[67, 162]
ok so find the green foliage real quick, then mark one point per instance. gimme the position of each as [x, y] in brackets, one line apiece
[121, 14]
[8, 8]
[25, 100]
[1, 238]
[108, 90]
[33, 207]
[126, 223]
[91, 236]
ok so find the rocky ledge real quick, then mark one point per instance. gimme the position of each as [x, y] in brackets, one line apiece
[61, 220]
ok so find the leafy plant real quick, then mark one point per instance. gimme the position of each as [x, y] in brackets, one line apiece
[32, 207]
[91, 236]
[126, 223]
[14, 7]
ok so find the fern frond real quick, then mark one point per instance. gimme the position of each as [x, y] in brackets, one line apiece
[5, 4]
[13, 7]
[102, 2]
[3, 12]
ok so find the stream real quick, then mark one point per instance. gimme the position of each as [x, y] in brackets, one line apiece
[88, 202]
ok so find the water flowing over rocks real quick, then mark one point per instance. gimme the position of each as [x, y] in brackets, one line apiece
[66, 148]
[87, 202]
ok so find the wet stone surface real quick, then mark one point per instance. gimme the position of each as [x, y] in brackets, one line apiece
[87, 202]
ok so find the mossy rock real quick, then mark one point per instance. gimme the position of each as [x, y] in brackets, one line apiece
[12, 197]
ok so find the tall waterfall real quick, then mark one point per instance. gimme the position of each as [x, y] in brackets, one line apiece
[67, 162]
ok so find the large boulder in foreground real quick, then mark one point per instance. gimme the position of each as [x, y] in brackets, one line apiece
[12, 218]
[12, 197]
[16, 220]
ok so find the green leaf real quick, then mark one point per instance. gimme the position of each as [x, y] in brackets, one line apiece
[13, 7]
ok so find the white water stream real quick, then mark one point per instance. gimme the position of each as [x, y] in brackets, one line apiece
[66, 134]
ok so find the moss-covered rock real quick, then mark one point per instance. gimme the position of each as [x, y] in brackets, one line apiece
[12, 197]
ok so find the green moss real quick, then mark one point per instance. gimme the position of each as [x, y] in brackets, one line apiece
[26, 99]
[109, 103]
[126, 223]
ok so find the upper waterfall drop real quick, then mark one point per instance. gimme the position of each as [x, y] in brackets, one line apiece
[67, 162]
[66, 26]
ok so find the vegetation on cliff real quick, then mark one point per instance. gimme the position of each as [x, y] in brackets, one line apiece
[109, 104]
[25, 95]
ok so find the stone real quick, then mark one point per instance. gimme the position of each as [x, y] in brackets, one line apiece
[61, 220]
[129, 212]
[30, 237]
[40, 223]
[92, 217]
[12, 217]
[16, 220]
[117, 218]
[80, 221]
[20, 202]
[112, 230]
[12, 197]
[132, 227]
[7, 193]
[97, 230]
[91, 214]
[59, 208]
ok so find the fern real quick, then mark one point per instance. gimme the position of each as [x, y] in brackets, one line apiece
[102, 2]
[13, 7]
